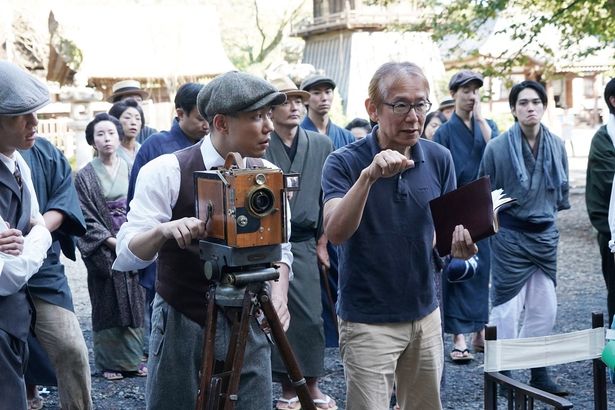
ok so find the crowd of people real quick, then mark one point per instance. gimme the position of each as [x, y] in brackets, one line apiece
[359, 270]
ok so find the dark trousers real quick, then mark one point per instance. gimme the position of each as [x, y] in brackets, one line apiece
[13, 360]
[608, 271]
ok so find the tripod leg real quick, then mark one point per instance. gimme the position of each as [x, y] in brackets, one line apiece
[236, 350]
[286, 353]
[208, 353]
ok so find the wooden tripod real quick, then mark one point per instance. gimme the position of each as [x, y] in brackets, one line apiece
[219, 391]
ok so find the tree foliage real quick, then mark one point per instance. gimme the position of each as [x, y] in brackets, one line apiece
[585, 26]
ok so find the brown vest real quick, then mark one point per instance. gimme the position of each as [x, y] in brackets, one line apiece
[180, 278]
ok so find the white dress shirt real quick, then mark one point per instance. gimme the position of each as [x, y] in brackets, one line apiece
[15, 271]
[156, 193]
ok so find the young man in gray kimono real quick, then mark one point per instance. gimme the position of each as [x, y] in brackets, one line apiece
[296, 150]
[530, 164]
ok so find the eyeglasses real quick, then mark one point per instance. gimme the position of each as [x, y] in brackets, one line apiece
[402, 108]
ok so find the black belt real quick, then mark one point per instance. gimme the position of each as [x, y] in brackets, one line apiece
[301, 234]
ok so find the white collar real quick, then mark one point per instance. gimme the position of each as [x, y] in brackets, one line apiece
[211, 157]
[9, 161]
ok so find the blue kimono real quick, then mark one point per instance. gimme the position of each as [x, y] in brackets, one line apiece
[53, 183]
[339, 136]
[466, 307]
[528, 235]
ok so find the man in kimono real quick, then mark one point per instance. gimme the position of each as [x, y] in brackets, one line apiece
[319, 104]
[162, 225]
[599, 182]
[188, 128]
[317, 119]
[57, 327]
[24, 239]
[376, 208]
[296, 150]
[529, 163]
[465, 134]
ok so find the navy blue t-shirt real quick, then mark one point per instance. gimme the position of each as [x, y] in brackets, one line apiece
[385, 270]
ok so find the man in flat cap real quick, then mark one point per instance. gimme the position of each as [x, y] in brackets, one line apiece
[162, 224]
[123, 90]
[317, 118]
[24, 238]
[296, 150]
[465, 134]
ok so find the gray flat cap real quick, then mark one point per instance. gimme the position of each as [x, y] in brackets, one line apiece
[235, 92]
[464, 77]
[314, 80]
[20, 92]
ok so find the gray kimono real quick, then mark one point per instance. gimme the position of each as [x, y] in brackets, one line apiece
[528, 235]
[305, 334]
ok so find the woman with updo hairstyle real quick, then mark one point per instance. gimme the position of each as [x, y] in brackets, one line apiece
[130, 115]
[117, 298]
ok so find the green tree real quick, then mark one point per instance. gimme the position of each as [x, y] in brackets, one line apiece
[257, 35]
[585, 26]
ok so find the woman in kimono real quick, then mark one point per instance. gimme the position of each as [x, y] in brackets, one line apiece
[117, 298]
[130, 115]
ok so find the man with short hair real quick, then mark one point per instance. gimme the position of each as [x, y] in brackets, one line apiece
[598, 187]
[296, 150]
[123, 90]
[188, 128]
[162, 224]
[530, 164]
[376, 208]
[24, 239]
[465, 134]
[317, 119]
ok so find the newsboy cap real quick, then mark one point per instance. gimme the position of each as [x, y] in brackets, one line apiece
[464, 77]
[314, 80]
[20, 92]
[235, 92]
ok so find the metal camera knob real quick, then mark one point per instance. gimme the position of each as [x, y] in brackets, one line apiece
[242, 220]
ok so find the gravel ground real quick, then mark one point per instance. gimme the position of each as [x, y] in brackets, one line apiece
[580, 292]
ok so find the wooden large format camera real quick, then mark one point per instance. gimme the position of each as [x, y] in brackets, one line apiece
[243, 207]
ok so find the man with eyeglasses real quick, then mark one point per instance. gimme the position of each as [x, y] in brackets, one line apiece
[376, 209]
[465, 134]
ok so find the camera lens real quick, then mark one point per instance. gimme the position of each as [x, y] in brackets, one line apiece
[261, 201]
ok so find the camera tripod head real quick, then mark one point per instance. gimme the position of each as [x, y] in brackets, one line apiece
[232, 269]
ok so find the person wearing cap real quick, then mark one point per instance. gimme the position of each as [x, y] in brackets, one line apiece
[447, 107]
[162, 225]
[376, 195]
[317, 118]
[465, 134]
[123, 90]
[296, 150]
[530, 164]
[24, 237]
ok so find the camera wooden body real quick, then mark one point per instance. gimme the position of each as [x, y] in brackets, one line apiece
[242, 207]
